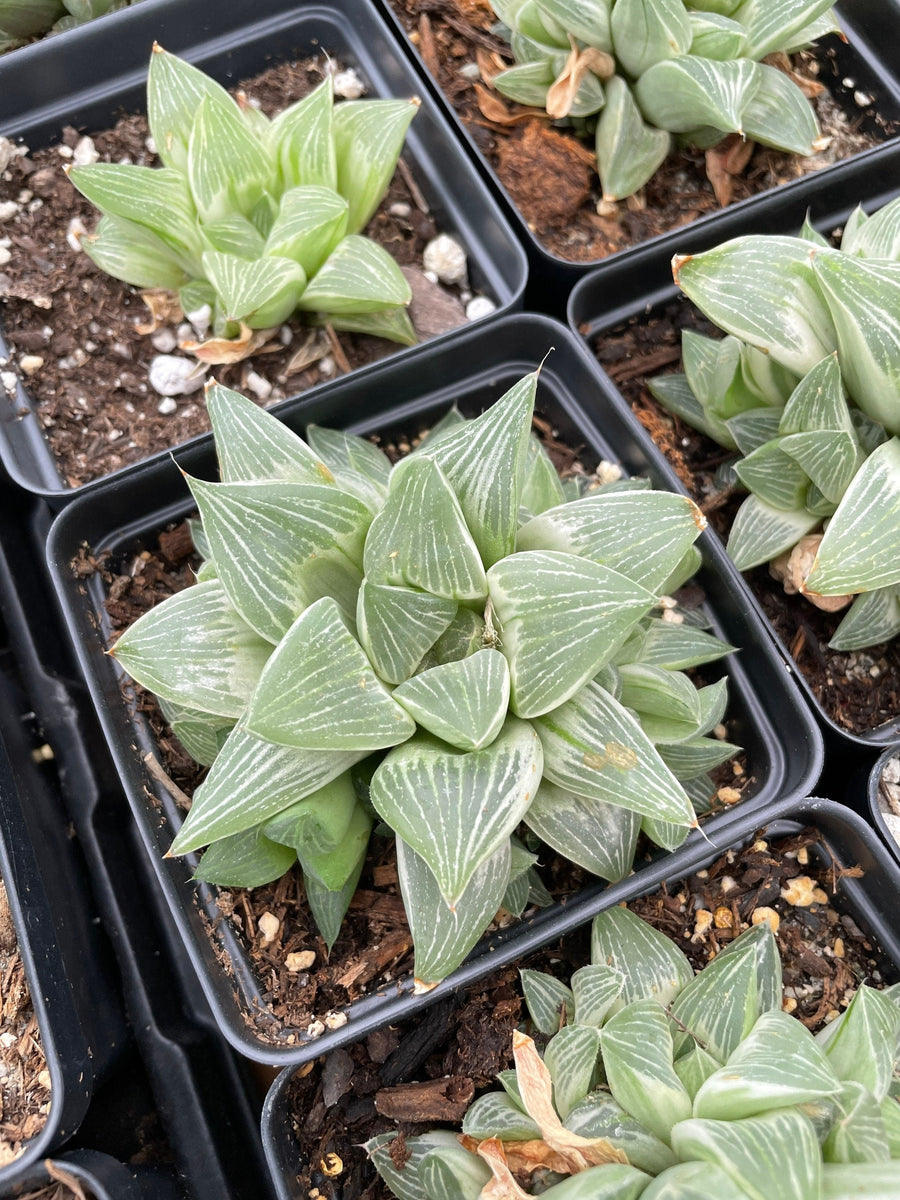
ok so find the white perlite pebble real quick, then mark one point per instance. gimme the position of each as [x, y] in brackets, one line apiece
[446, 258]
[400, 209]
[336, 1020]
[164, 340]
[479, 306]
[8, 152]
[167, 406]
[268, 927]
[327, 366]
[200, 319]
[261, 388]
[8, 209]
[8, 380]
[30, 363]
[5, 256]
[75, 232]
[348, 85]
[65, 151]
[85, 152]
[150, 143]
[173, 376]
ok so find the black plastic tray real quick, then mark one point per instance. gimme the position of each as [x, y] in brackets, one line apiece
[873, 901]
[783, 743]
[55, 84]
[872, 782]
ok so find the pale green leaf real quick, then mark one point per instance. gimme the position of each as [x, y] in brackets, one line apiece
[693, 1181]
[609, 1181]
[246, 859]
[629, 152]
[675, 393]
[877, 236]
[329, 907]
[343, 452]
[774, 24]
[20, 19]
[301, 142]
[679, 647]
[595, 988]
[358, 277]
[586, 19]
[551, 1003]
[175, 90]
[773, 477]
[463, 703]
[598, 836]
[497, 1115]
[397, 626]
[638, 1061]
[368, 137]
[318, 823]
[860, 1044]
[393, 324]
[464, 636]
[261, 294]
[716, 36]
[600, 1116]
[645, 32]
[653, 966]
[234, 234]
[403, 1180]
[202, 734]
[134, 254]
[526, 83]
[571, 1059]
[541, 485]
[859, 1133]
[861, 1181]
[873, 617]
[695, 1067]
[311, 221]
[753, 428]
[228, 167]
[687, 93]
[760, 532]
[453, 1173]
[779, 114]
[659, 692]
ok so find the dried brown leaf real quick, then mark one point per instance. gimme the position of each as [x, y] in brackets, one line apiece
[562, 92]
[231, 350]
[164, 309]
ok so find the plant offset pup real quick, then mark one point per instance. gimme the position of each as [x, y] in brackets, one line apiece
[256, 219]
[665, 1085]
[447, 644]
[807, 388]
[645, 72]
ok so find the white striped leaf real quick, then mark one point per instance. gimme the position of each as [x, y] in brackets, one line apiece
[779, 114]
[863, 298]
[247, 859]
[393, 324]
[260, 293]
[454, 808]
[343, 452]
[829, 459]
[773, 477]
[716, 36]
[311, 221]
[300, 139]
[541, 485]
[664, 833]
[695, 1067]
[760, 532]
[877, 236]
[397, 626]
[319, 822]
[129, 252]
[693, 1181]
[598, 836]
[404, 1180]
[453, 1173]
[861, 1181]
[463, 636]
[562, 618]
[527, 83]
[772, 1157]
[586, 19]
[228, 167]
[533, 21]
[873, 617]
[610, 1181]
[725, 7]
[859, 1133]
[175, 90]
[358, 277]
[334, 868]
[195, 650]
[659, 692]
[600, 1116]
[571, 1059]
[521, 877]
[368, 137]
[497, 1115]
[774, 24]
[777, 1064]
[629, 152]
[329, 907]
[202, 734]
[818, 401]
[278, 547]
[675, 394]
[687, 93]
[653, 966]
[234, 234]
[463, 703]
[251, 781]
[595, 988]
[679, 647]
[890, 1114]
[638, 1061]
[645, 32]
[762, 289]
[661, 528]
[419, 538]
[754, 428]
[253, 446]
[860, 1044]
[551, 1003]
[318, 690]
[595, 747]
[861, 547]
[484, 461]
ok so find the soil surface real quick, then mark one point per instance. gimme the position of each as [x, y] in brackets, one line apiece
[416, 1077]
[550, 173]
[859, 690]
[73, 331]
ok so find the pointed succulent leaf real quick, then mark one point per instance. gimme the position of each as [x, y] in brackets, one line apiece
[817, 403]
[645, 32]
[638, 1061]
[318, 823]
[829, 459]
[311, 221]
[561, 618]
[772, 24]
[585, 19]
[463, 703]
[442, 935]
[679, 647]
[595, 747]
[20, 19]
[760, 532]
[526, 83]
[397, 626]
[234, 234]
[496, 1114]
[456, 808]
[877, 236]
[595, 988]
[675, 394]
[342, 452]
[359, 276]
[227, 166]
[392, 324]
[779, 114]
[278, 547]
[463, 636]
[403, 1180]
[693, 1181]
[134, 254]
[861, 1044]
[716, 36]
[301, 143]
[319, 692]
[195, 649]
[861, 547]
[251, 781]
[600, 1116]
[329, 907]
[541, 485]
[859, 1133]
[453, 1173]
[873, 617]
[652, 965]
[551, 1003]
[420, 538]
[695, 1067]
[175, 90]
[598, 836]
[629, 151]
[260, 293]
[773, 476]
[890, 1114]
[659, 692]
[687, 93]
[571, 1058]
[610, 1181]
[534, 22]
[202, 734]
[246, 859]
[368, 137]
[664, 833]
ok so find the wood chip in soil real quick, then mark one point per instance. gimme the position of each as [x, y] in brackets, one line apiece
[549, 174]
[85, 363]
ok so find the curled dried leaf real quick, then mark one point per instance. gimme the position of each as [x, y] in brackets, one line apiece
[792, 568]
[563, 90]
[503, 1185]
[164, 310]
[493, 109]
[230, 350]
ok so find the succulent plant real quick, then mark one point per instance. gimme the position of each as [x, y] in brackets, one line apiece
[449, 646]
[640, 73]
[255, 218]
[659, 1083]
[24, 19]
[806, 386]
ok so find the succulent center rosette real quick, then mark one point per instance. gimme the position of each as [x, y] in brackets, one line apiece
[449, 645]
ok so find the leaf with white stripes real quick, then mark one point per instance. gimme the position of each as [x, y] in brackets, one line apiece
[661, 528]
[134, 254]
[675, 394]
[679, 647]
[693, 1181]
[598, 836]
[397, 626]
[344, 452]
[195, 649]
[456, 808]
[551, 1003]
[600, 1116]
[453, 1173]
[695, 1067]
[541, 485]
[403, 1180]
[300, 139]
[593, 746]
[319, 692]
[861, 1181]
[628, 150]
[688, 93]
[318, 823]
[247, 859]
[527, 82]
[278, 547]
[873, 617]
[595, 988]
[760, 532]
[311, 221]
[652, 965]
[359, 276]
[227, 167]
[761, 289]
[714, 35]
[659, 692]
[202, 734]
[251, 781]
[779, 114]
[754, 428]
[587, 19]
[861, 547]
[877, 236]
[496, 1114]
[463, 703]
[260, 293]
[562, 618]
[571, 1059]
[368, 137]
[645, 32]
[443, 936]
[859, 1133]
[861, 1043]
[773, 24]
[175, 90]
[638, 1061]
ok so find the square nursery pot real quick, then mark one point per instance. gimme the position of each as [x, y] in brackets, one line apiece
[633, 292]
[231, 41]
[872, 901]
[883, 796]
[784, 748]
[868, 64]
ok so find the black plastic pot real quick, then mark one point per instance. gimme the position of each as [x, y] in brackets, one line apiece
[33, 53]
[870, 63]
[877, 804]
[627, 291]
[872, 900]
[105, 1178]
[784, 748]
[231, 40]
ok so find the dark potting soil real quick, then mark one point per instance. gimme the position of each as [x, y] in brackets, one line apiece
[550, 174]
[860, 689]
[415, 1077]
[73, 330]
